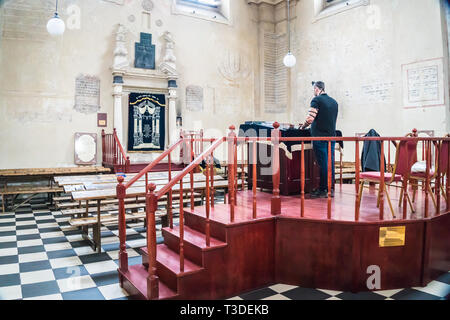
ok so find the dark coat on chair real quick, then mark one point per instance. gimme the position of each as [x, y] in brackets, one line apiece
[370, 157]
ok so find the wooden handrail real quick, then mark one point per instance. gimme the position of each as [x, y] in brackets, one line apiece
[124, 155]
[348, 139]
[113, 153]
[153, 163]
[231, 140]
[190, 167]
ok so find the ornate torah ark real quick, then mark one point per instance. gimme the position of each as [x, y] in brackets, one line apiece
[146, 122]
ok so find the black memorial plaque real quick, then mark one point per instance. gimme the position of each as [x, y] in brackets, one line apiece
[144, 52]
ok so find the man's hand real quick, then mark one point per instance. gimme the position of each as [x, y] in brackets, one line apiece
[304, 125]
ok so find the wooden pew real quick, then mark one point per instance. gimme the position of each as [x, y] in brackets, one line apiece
[15, 182]
[31, 190]
[98, 196]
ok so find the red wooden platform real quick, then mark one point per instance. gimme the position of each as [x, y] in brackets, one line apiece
[312, 251]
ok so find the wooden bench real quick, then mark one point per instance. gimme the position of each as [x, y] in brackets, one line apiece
[95, 241]
[101, 219]
[106, 178]
[98, 196]
[62, 198]
[23, 177]
[114, 206]
[31, 190]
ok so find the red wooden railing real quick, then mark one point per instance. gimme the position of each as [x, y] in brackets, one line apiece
[113, 154]
[152, 194]
[152, 202]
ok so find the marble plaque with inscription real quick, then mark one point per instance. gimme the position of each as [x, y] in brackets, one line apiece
[423, 83]
[87, 94]
[378, 92]
[194, 98]
[144, 52]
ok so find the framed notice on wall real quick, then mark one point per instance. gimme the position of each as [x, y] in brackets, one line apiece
[423, 84]
[102, 119]
[85, 148]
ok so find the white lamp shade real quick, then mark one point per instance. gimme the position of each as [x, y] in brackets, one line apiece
[289, 60]
[56, 26]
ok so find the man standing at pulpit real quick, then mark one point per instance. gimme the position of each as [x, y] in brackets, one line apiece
[322, 118]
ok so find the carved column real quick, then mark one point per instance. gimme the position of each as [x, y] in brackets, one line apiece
[173, 132]
[117, 94]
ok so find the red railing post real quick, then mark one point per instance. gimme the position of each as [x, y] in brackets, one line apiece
[236, 178]
[329, 181]
[192, 173]
[437, 180]
[242, 166]
[340, 166]
[152, 279]
[427, 174]
[447, 192]
[169, 195]
[231, 136]
[103, 147]
[358, 195]
[114, 147]
[302, 181]
[405, 184]
[254, 178]
[127, 165]
[389, 157]
[212, 180]
[181, 226]
[207, 227]
[381, 191]
[357, 168]
[275, 207]
[123, 256]
[201, 140]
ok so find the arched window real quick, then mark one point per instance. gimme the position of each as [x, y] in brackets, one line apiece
[206, 4]
[326, 8]
[214, 10]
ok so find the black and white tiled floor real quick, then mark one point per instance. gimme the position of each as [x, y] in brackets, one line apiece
[43, 257]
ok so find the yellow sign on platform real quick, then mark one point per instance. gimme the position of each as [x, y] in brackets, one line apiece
[392, 236]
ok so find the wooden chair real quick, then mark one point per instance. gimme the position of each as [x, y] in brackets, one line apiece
[416, 177]
[406, 154]
[197, 146]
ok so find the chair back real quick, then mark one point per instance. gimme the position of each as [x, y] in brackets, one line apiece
[405, 157]
[443, 162]
[197, 146]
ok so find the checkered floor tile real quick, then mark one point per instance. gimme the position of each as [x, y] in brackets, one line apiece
[43, 257]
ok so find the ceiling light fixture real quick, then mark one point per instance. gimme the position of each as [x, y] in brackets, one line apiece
[56, 26]
[289, 60]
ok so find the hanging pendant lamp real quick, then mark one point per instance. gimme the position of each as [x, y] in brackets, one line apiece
[56, 26]
[289, 60]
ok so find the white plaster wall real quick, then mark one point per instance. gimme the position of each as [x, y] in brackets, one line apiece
[347, 51]
[37, 75]
[354, 48]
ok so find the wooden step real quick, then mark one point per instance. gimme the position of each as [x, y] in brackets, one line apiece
[135, 283]
[194, 242]
[168, 265]
[195, 238]
[197, 222]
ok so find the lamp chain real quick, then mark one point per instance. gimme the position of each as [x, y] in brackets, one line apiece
[289, 26]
